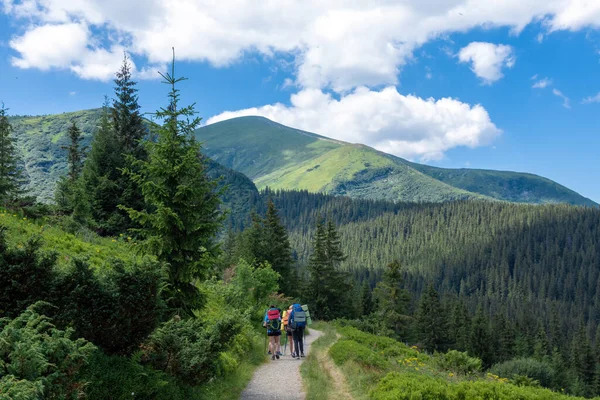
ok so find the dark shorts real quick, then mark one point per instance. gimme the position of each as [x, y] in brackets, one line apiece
[274, 333]
[289, 332]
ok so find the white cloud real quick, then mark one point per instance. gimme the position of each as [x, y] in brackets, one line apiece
[542, 83]
[407, 126]
[339, 44]
[592, 99]
[72, 93]
[65, 46]
[565, 99]
[50, 46]
[487, 60]
[540, 37]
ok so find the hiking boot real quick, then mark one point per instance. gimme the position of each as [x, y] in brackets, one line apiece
[273, 357]
[277, 355]
[293, 355]
[301, 354]
[269, 352]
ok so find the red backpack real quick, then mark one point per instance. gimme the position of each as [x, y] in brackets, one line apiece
[273, 313]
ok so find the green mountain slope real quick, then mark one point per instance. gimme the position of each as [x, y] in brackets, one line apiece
[40, 140]
[279, 157]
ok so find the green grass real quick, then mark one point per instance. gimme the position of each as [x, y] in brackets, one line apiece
[96, 250]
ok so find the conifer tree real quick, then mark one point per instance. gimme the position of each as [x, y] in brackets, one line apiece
[278, 249]
[393, 300]
[127, 119]
[101, 174]
[366, 300]
[74, 152]
[583, 360]
[116, 148]
[183, 216]
[541, 347]
[71, 198]
[329, 288]
[432, 325]
[11, 181]
[460, 326]
[480, 344]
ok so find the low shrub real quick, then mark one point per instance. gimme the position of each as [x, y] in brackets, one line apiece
[189, 349]
[529, 367]
[39, 361]
[396, 386]
[374, 342]
[458, 362]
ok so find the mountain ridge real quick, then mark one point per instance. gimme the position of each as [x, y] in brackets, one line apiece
[276, 156]
[402, 181]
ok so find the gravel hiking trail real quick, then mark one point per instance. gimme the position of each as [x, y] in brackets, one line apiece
[280, 379]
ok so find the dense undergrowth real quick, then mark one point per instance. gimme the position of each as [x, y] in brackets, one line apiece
[382, 368]
[99, 329]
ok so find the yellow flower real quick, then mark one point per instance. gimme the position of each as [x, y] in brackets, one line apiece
[128, 237]
[114, 240]
[120, 234]
[450, 374]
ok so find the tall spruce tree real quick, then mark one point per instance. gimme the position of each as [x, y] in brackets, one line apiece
[74, 152]
[278, 250]
[393, 300]
[183, 216]
[117, 148]
[329, 288]
[366, 305]
[431, 321]
[11, 180]
[70, 196]
[480, 344]
[101, 175]
[460, 326]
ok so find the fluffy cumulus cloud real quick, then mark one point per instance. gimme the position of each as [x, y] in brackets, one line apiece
[407, 126]
[338, 44]
[487, 59]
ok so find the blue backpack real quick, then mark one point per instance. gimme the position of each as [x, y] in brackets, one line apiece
[299, 317]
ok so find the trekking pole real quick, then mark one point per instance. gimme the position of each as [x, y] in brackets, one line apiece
[266, 335]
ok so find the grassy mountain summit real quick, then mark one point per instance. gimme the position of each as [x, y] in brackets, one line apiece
[280, 157]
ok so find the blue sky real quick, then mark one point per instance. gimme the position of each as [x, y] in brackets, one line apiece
[449, 83]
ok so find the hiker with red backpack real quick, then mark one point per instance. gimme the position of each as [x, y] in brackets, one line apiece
[272, 322]
[297, 322]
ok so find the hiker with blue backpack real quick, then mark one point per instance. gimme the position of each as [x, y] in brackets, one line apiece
[297, 323]
[272, 322]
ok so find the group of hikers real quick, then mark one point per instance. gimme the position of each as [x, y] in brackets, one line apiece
[293, 322]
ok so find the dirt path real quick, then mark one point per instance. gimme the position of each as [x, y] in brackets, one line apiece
[337, 378]
[280, 379]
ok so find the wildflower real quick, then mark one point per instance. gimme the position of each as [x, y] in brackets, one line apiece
[450, 374]
[120, 234]
[114, 240]
[128, 237]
